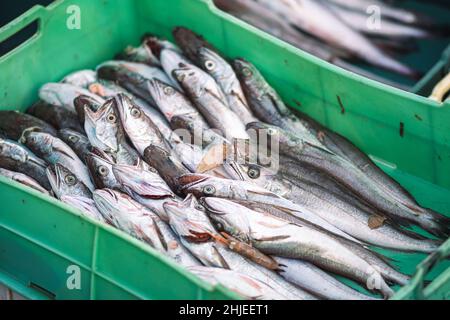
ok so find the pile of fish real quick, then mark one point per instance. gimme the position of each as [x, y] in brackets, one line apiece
[341, 31]
[156, 144]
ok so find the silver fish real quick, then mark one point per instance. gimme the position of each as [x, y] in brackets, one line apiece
[16, 157]
[224, 75]
[23, 179]
[245, 286]
[170, 60]
[101, 169]
[189, 221]
[210, 100]
[54, 151]
[77, 141]
[65, 183]
[81, 78]
[278, 237]
[85, 205]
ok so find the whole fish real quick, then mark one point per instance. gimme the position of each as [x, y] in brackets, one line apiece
[18, 158]
[54, 151]
[354, 179]
[14, 124]
[189, 221]
[77, 141]
[140, 129]
[245, 286]
[85, 205]
[309, 16]
[129, 216]
[63, 94]
[145, 186]
[353, 220]
[278, 237]
[105, 132]
[315, 280]
[65, 183]
[23, 179]
[81, 78]
[224, 75]
[210, 100]
[59, 118]
[100, 166]
[208, 186]
[265, 101]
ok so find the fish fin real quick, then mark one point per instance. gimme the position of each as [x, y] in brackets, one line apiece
[443, 223]
[375, 221]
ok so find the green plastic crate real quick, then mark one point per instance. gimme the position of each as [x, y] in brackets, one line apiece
[41, 237]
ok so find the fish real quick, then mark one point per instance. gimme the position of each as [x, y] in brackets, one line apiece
[100, 167]
[129, 216]
[140, 129]
[54, 150]
[313, 279]
[347, 174]
[18, 158]
[132, 76]
[145, 186]
[190, 42]
[210, 100]
[278, 237]
[189, 220]
[245, 286]
[85, 205]
[170, 60]
[65, 183]
[223, 73]
[77, 141]
[309, 16]
[105, 132]
[82, 101]
[23, 179]
[59, 118]
[14, 124]
[81, 78]
[168, 166]
[207, 186]
[265, 102]
[64, 94]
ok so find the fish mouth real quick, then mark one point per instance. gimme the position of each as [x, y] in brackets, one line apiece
[105, 196]
[190, 180]
[53, 178]
[208, 203]
[155, 88]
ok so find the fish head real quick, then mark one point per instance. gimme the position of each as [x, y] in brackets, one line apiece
[191, 79]
[72, 137]
[103, 127]
[213, 63]
[165, 96]
[64, 182]
[228, 216]
[202, 185]
[11, 149]
[246, 72]
[144, 182]
[101, 171]
[40, 143]
[170, 59]
[189, 220]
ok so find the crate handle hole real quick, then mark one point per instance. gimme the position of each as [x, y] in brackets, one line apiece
[19, 38]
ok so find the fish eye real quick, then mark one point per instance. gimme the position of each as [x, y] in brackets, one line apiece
[219, 226]
[271, 131]
[135, 112]
[70, 180]
[253, 173]
[247, 72]
[199, 207]
[209, 190]
[168, 90]
[111, 118]
[210, 65]
[103, 171]
[74, 139]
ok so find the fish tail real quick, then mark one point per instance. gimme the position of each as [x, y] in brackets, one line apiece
[437, 224]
